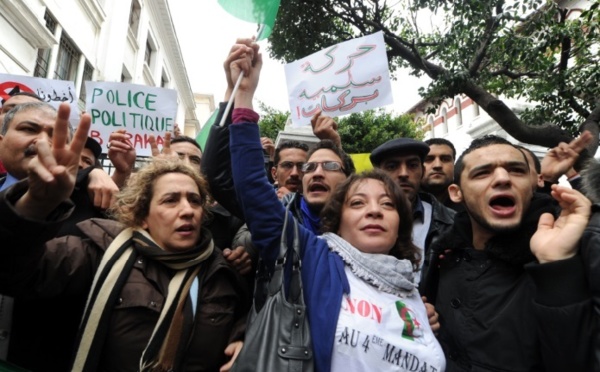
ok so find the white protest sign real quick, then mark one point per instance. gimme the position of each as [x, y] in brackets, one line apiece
[53, 92]
[140, 110]
[348, 77]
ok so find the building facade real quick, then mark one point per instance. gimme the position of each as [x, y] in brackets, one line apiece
[100, 40]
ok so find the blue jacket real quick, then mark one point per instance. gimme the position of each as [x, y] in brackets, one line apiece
[323, 277]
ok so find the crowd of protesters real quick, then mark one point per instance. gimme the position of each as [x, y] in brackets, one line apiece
[476, 263]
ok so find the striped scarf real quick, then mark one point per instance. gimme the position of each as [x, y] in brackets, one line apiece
[115, 267]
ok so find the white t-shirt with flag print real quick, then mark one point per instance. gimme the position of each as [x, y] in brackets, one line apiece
[378, 331]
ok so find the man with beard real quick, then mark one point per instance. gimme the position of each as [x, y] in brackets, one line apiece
[288, 160]
[402, 159]
[439, 170]
[512, 295]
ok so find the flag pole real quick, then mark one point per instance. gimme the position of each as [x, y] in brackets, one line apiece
[237, 83]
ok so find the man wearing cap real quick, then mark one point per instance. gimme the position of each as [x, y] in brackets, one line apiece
[402, 159]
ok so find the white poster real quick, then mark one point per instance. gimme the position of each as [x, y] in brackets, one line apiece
[140, 110]
[348, 77]
[54, 92]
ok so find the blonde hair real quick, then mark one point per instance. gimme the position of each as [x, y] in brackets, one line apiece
[133, 201]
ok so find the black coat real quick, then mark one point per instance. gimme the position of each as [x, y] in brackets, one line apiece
[501, 311]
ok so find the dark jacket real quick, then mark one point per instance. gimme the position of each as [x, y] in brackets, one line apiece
[43, 329]
[590, 242]
[442, 219]
[497, 315]
[216, 165]
[30, 266]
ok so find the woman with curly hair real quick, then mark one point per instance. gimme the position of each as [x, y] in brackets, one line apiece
[161, 296]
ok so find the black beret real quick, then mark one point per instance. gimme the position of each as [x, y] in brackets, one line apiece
[94, 146]
[399, 145]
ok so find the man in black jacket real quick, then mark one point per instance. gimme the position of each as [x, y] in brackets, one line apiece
[512, 294]
[403, 159]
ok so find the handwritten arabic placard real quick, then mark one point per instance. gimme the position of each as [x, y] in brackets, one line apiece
[140, 110]
[348, 77]
[52, 91]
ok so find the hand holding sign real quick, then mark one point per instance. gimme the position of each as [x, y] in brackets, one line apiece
[349, 77]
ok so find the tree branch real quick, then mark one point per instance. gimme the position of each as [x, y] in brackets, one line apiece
[491, 25]
[512, 74]
[545, 135]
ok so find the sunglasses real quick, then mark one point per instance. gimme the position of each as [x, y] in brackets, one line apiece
[330, 166]
[288, 165]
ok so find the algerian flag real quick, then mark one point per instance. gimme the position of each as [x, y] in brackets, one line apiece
[263, 12]
[203, 135]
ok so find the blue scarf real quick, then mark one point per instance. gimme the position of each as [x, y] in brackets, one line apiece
[8, 182]
[310, 220]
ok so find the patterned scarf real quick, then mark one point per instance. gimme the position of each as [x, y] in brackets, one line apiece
[385, 272]
[114, 269]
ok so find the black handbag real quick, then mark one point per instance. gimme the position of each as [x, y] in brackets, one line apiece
[278, 336]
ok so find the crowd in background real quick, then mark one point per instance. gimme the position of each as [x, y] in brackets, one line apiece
[428, 262]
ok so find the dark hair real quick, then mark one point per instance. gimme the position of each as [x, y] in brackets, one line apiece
[536, 162]
[326, 144]
[288, 145]
[179, 139]
[442, 141]
[332, 213]
[478, 143]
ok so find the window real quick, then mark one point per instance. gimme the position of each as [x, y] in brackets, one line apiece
[125, 75]
[88, 75]
[50, 22]
[444, 124]
[67, 59]
[148, 53]
[459, 118]
[431, 125]
[43, 58]
[164, 81]
[134, 16]
[475, 109]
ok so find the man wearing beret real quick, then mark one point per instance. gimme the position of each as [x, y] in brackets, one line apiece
[402, 159]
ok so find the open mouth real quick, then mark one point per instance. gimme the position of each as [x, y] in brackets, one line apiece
[185, 228]
[318, 187]
[503, 204]
[30, 151]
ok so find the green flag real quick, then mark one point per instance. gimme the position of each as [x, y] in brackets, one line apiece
[203, 135]
[263, 12]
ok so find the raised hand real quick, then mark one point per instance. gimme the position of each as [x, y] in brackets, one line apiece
[249, 63]
[557, 240]
[53, 172]
[120, 151]
[166, 152]
[324, 127]
[237, 51]
[562, 157]
[268, 146]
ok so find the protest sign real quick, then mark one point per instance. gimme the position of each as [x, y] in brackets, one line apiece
[53, 92]
[140, 110]
[348, 77]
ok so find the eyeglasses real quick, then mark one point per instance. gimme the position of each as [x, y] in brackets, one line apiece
[288, 165]
[330, 166]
